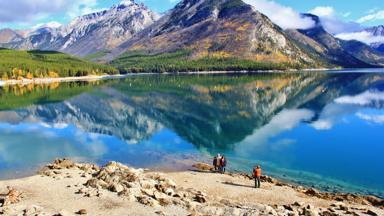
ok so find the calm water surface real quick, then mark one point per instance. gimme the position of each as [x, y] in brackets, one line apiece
[319, 129]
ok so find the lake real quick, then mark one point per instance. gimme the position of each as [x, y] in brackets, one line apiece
[317, 129]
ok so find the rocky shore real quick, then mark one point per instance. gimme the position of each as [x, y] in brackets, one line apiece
[68, 188]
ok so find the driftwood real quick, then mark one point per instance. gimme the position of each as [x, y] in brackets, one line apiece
[13, 196]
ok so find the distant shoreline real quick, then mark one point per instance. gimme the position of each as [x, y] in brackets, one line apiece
[119, 76]
[59, 79]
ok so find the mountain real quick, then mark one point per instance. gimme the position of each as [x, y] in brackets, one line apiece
[8, 35]
[218, 29]
[377, 31]
[90, 33]
[350, 54]
[196, 35]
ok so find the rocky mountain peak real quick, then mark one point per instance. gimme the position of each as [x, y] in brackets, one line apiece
[376, 30]
[89, 33]
[7, 35]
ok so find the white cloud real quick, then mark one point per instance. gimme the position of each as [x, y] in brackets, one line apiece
[323, 124]
[284, 121]
[347, 105]
[332, 23]
[363, 36]
[27, 11]
[345, 30]
[364, 99]
[83, 7]
[375, 15]
[373, 10]
[378, 119]
[283, 16]
[347, 14]
[47, 25]
[323, 11]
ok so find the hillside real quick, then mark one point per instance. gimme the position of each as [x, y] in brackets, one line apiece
[28, 64]
[348, 54]
[224, 32]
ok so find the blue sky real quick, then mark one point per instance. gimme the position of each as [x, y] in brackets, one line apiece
[34, 12]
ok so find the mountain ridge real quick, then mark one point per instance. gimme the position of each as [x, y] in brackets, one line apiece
[198, 32]
[90, 33]
[217, 29]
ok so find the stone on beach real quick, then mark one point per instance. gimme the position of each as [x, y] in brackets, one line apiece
[12, 196]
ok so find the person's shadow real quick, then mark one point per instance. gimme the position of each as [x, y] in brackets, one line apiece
[239, 185]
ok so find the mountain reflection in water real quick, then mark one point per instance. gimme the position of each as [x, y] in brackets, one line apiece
[314, 128]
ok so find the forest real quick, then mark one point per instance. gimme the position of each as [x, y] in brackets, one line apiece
[17, 64]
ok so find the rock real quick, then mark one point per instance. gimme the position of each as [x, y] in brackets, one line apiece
[375, 201]
[82, 191]
[312, 192]
[128, 195]
[328, 213]
[149, 192]
[200, 198]
[96, 183]
[32, 210]
[161, 213]
[190, 205]
[344, 208]
[310, 211]
[146, 184]
[269, 210]
[372, 213]
[62, 164]
[169, 192]
[13, 196]
[63, 213]
[116, 188]
[164, 201]
[269, 179]
[337, 204]
[203, 167]
[147, 201]
[158, 195]
[298, 204]
[82, 212]
[288, 207]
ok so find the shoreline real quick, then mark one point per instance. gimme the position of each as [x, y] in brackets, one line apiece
[121, 76]
[65, 187]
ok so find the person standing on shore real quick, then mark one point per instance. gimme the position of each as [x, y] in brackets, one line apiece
[257, 175]
[223, 164]
[218, 162]
[214, 163]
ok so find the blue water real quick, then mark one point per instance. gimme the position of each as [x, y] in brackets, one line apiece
[321, 130]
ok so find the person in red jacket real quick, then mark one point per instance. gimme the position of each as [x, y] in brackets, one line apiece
[257, 175]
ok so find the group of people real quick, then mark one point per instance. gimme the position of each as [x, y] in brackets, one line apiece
[220, 162]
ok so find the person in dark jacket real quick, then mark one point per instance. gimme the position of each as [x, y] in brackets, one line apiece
[214, 163]
[223, 164]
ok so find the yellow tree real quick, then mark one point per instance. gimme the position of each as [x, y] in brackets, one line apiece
[5, 76]
[29, 75]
